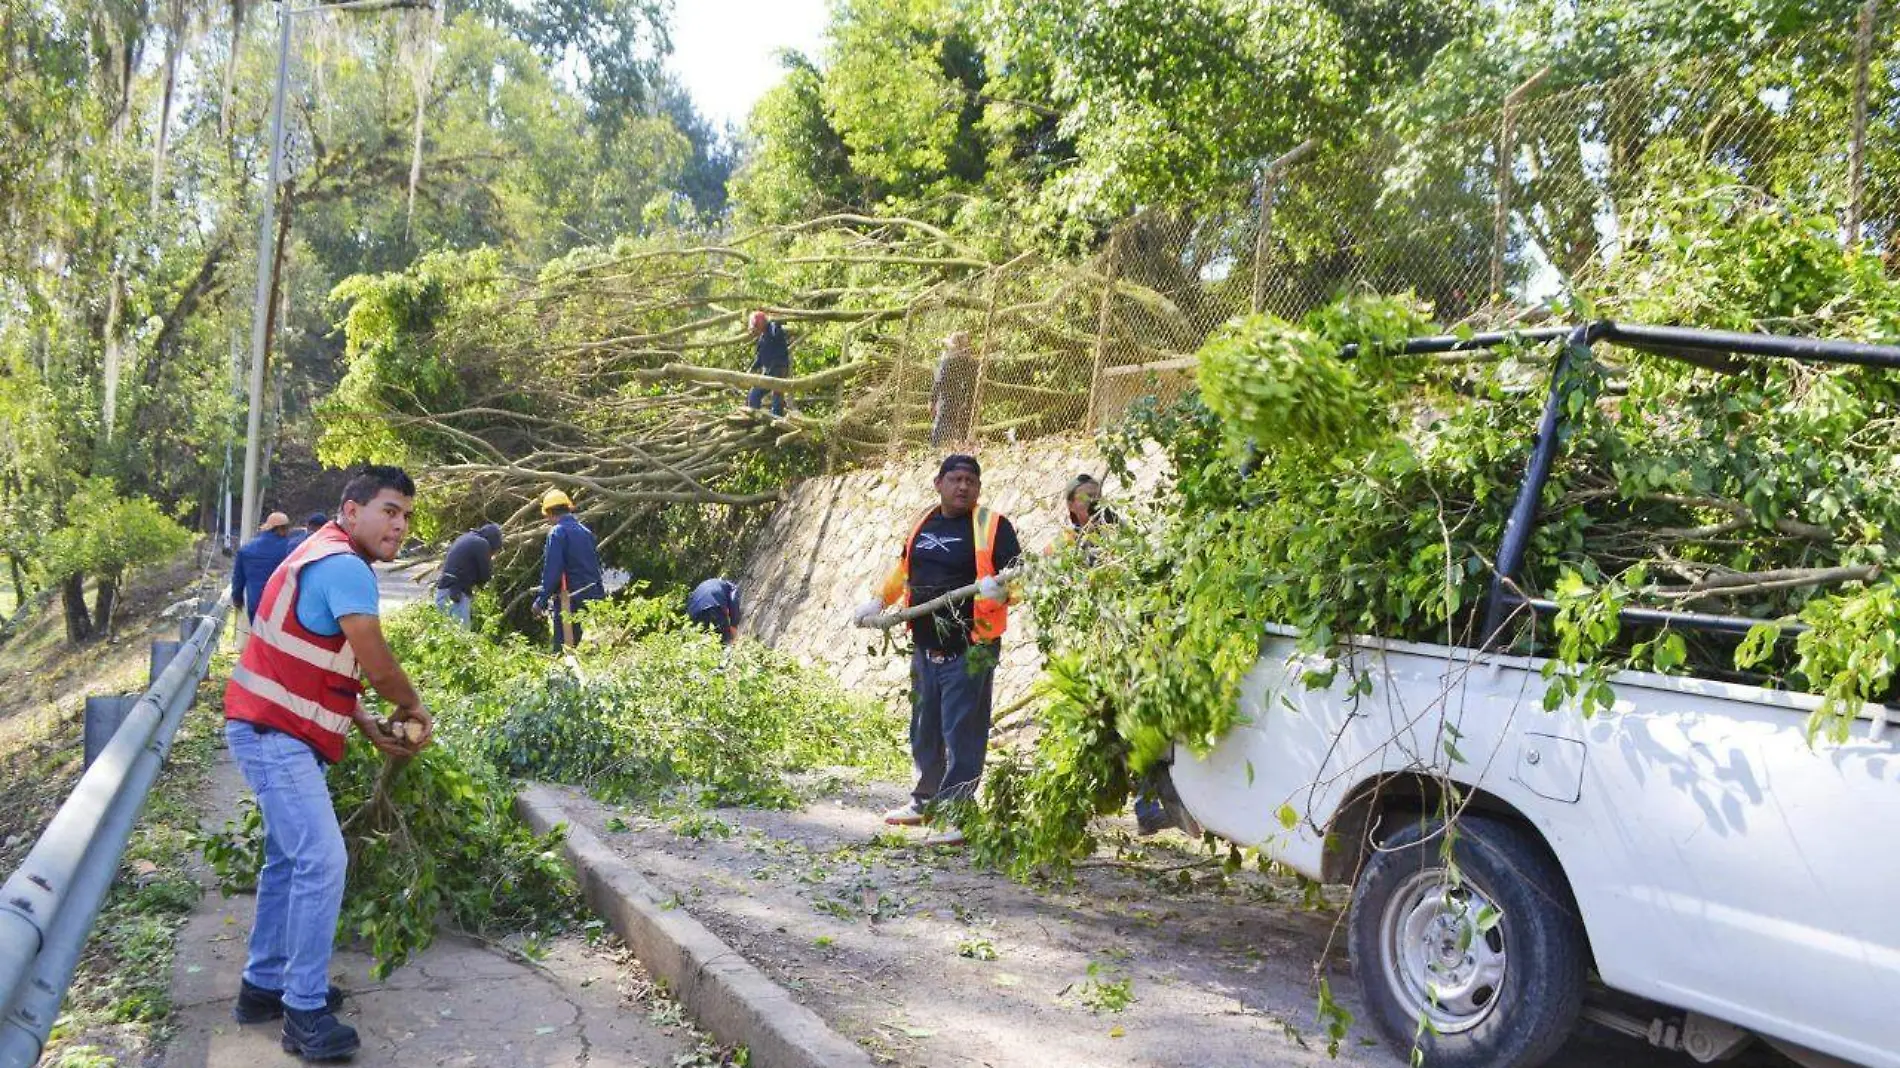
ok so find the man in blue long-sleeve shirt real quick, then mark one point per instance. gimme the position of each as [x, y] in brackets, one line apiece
[570, 568]
[256, 560]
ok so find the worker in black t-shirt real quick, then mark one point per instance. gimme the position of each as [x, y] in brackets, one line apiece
[955, 544]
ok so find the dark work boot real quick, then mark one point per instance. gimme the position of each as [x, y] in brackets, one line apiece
[318, 1035]
[257, 1004]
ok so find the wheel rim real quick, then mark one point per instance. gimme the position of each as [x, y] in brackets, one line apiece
[1436, 959]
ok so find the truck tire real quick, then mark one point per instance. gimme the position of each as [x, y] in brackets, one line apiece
[1485, 974]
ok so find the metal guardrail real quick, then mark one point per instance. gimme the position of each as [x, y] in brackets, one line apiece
[48, 906]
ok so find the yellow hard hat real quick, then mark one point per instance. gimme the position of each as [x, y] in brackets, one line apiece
[553, 499]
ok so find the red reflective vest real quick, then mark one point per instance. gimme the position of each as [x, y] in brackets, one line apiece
[991, 617]
[292, 679]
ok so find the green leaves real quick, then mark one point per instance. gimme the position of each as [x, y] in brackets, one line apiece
[107, 535]
[1287, 389]
[1283, 388]
[1849, 654]
[1288, 817]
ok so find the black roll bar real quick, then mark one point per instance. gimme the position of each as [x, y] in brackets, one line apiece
[1502, 602]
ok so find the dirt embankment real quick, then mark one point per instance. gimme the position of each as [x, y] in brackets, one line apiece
[44, 683]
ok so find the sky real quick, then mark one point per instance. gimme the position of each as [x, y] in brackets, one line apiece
[723, 49]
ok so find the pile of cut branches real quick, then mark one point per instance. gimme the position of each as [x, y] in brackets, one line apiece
[1367, 496]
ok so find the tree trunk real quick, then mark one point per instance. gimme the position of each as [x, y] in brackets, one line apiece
[72, 594]
[19, 581]
[103, 603]
[230, 75]
[161, 144]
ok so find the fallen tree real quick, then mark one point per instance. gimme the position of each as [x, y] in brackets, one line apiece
[623, 373]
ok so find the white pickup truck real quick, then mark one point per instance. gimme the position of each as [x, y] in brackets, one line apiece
[1721, 877]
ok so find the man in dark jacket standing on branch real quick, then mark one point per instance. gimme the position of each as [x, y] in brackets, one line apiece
[957, 543]
[771, 356]
[470, 563]
[570, 569]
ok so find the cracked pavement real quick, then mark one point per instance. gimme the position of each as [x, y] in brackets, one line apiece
[462, 1003]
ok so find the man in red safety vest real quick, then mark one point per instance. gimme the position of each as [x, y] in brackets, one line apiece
[953, 666]
[289, 706]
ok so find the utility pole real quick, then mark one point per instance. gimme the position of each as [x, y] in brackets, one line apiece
[266, 245]
[266, 252]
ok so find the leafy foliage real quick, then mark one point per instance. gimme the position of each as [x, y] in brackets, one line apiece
[1074, 112]
[1371, 495]
[655, 707]
[452, 852]
[675, 709]
[108, 535]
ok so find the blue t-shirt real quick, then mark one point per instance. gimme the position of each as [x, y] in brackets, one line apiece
[334, 587]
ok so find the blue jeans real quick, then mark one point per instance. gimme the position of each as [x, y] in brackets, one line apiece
[300, 889]
[457, 604]
[949, 723]
[757, 396]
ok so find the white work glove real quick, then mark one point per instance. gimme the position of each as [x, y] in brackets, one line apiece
[861, 615]
[991, 588]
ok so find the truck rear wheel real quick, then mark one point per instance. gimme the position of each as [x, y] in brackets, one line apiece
[1485, 970]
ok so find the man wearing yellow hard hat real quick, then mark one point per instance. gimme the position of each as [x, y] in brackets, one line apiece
[570, 568]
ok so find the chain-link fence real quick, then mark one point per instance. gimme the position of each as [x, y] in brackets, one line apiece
[1491, 218]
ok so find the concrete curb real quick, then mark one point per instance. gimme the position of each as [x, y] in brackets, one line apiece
[722, 991]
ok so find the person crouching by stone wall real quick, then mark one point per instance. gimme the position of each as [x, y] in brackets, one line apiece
[955, 543]
[714, 604]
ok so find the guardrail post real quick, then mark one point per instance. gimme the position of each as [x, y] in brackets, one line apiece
[103, 717]
[162, 653]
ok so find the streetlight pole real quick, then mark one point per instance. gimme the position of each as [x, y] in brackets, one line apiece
[266, 252]
[266, 245]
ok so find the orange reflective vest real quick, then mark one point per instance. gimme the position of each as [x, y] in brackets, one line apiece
[292, 679]
[991, 617]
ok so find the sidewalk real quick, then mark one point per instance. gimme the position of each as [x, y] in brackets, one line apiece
[462, 1003]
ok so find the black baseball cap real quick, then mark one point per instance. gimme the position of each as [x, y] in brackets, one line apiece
[959, 461]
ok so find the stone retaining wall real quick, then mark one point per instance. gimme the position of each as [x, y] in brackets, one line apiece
[835, 537]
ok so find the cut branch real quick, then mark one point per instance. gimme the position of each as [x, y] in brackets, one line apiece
[1745, 583]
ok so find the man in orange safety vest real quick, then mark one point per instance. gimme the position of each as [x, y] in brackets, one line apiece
[953, 544]
[288, 709]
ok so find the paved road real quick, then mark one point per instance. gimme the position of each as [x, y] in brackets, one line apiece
[398, 585]
[461, 1003]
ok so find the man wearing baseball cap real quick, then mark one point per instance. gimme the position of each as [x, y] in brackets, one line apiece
[256, 560]
[953, 544]
[316, 522]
